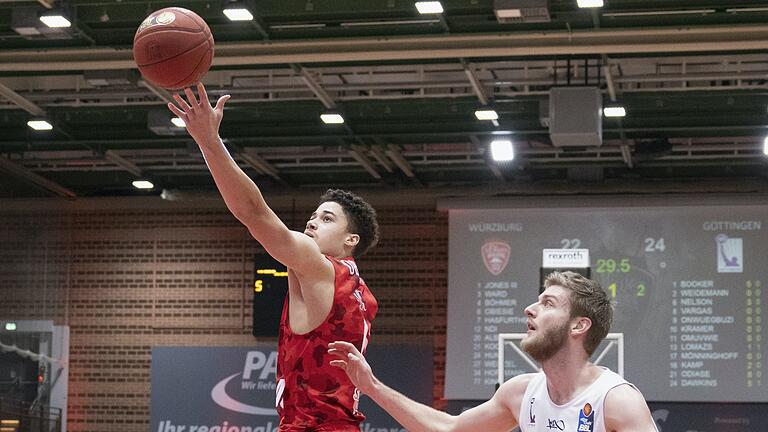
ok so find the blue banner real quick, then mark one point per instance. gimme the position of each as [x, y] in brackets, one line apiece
[232, 389]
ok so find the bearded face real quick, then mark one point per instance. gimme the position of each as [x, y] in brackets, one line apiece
[542, 344]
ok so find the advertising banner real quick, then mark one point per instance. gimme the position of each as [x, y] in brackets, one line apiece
[232, 389]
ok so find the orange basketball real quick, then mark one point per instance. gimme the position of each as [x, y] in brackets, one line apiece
[173, 48]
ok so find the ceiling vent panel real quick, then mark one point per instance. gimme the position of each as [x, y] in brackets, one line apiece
[521, 11]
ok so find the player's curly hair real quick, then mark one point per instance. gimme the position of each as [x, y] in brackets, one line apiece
[588, 299]
[361, 216]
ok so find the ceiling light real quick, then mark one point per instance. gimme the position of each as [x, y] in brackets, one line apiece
[765, 146]
[40, 125]
[486, 114]
[178, 122]
[237, 11]
[238, 14]
[502, 150]
[332, 118]
[590, 3]
[143, 184]
[429, 7]
[10, 326]
[614, 111]
[55, 18]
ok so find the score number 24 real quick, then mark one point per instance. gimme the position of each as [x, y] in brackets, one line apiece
[651, 244]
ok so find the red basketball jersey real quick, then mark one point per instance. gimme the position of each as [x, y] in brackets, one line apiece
[312, 395]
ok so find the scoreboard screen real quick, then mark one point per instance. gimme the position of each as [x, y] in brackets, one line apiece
[687, 281]
[270, 286]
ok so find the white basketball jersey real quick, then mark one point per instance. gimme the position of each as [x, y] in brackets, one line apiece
[582, 414]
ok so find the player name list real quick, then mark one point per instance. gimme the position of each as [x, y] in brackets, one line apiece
[700, 318]
[496, 309]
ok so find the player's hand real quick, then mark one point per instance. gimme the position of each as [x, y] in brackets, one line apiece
[202, 120]
[354, 364]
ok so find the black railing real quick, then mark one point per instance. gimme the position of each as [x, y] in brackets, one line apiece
[18, 414]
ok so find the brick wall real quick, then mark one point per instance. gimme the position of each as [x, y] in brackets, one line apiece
[129, 278]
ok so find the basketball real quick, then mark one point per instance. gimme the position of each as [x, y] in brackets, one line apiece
[173, 48]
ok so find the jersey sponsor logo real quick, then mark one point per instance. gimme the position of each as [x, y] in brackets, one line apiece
[557, 424]
[496, 255]
[586, 419]
[531, 416]
[231, 396]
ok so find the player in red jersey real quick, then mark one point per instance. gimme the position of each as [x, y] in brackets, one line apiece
[327, 299]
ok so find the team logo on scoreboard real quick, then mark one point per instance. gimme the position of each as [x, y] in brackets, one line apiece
[730, 254]
[586, 419]
[496, 256]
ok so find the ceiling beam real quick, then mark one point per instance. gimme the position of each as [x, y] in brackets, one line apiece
[544, 43]
[24, 173]
[123, 163]
[626, 154]
[469, 70]
[20, 101]
[252, 158]
[158, 91]
[311, 81]
[314, 84]
[380, 157]
[394, 153]
[357, 154]
[258, 24]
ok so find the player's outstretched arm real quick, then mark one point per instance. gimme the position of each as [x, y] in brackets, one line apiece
[240, 193]
[627, 411]
[493, 415]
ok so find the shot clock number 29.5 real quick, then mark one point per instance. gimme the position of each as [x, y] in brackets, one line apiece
[609, 266]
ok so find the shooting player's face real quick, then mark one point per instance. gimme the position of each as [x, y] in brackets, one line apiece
[549, 323]
[328, 228]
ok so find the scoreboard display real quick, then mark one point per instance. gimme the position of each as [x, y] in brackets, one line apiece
[687, 281]
[270, 286]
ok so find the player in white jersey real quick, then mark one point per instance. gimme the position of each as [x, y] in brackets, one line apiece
[570, 394]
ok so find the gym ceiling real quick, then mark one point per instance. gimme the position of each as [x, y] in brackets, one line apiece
[692, 76]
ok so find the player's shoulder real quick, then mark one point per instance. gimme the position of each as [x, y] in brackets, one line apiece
[624, 393]
[346, 265]
[512, 392]
[518, 383]
[626, 409]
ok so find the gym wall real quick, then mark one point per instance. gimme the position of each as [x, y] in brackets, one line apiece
[130, 274]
